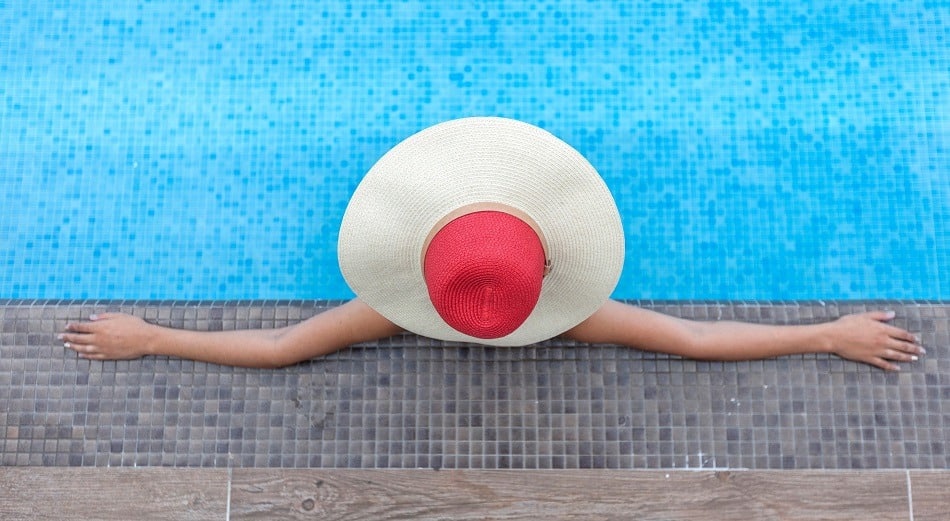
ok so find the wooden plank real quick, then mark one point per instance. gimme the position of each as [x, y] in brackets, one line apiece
[930, 492]
[588, 495]
[40, 493]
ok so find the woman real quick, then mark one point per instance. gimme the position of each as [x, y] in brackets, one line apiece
[492, 231]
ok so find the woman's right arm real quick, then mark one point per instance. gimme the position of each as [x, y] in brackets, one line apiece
[117, 336]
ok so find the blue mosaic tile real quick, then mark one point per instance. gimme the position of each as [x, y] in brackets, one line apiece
[758, 150]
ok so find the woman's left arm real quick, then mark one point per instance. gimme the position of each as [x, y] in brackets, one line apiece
[864, 337]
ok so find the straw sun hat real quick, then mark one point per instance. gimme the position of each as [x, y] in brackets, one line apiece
[485, 230]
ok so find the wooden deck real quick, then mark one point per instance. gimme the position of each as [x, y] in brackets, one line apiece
[40, 493]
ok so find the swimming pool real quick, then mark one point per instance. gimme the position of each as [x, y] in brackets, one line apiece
[757, 150]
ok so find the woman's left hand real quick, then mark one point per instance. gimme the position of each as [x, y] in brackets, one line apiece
[866, 337]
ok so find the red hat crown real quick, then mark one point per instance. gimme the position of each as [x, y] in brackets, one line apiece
[483, 271]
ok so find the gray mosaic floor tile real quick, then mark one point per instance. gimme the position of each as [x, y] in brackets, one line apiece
[412, 402]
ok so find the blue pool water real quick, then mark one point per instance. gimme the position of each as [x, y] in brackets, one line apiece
[206, 150]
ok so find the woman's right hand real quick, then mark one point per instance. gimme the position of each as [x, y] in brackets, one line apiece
[108, 336]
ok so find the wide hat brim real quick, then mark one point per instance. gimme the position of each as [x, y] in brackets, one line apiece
[472, 161]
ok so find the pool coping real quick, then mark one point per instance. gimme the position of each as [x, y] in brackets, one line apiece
[411, 402]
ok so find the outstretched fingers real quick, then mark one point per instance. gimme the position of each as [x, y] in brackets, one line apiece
[904, 345]
[899, 345]
[83, 350]
[93, 324]
[869, 338]
[892, 331]
[77, 336]
[882, 363]
[81, 336]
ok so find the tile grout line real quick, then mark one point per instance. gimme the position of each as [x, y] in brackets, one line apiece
[227, 506]
[910, 496]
